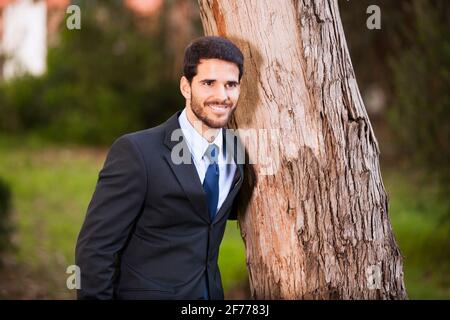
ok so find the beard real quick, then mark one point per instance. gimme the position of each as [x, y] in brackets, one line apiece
[199, 110]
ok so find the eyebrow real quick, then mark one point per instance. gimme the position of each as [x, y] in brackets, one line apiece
[214, 80]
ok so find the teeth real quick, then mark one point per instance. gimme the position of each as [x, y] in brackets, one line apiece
[218, 107]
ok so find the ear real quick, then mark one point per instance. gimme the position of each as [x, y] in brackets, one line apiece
[185, 88]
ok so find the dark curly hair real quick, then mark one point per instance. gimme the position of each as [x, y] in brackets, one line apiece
[211, 47]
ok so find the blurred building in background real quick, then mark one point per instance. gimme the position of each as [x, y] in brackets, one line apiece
[23, 38]
[28, 27]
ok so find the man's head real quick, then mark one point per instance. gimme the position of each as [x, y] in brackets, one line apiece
[213, 68]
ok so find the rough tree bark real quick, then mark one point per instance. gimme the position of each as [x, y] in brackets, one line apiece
[318, 228]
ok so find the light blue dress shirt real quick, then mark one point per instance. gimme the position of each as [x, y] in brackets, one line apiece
[197, 146]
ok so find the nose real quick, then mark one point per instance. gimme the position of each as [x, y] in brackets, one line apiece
[221, 93]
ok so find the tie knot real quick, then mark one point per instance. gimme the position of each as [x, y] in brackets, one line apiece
[212, 153]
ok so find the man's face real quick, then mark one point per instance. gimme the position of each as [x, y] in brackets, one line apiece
[214, 92]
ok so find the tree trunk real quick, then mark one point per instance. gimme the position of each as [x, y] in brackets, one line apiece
[316, 225]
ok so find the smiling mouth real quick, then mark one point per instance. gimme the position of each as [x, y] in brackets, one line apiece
[219, 108]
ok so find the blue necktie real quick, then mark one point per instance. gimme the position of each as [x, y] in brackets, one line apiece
[211, 182]
[211, 187]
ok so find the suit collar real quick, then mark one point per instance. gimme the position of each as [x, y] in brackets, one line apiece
[171, 125]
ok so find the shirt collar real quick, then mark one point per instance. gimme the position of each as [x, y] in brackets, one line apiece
[196, 142]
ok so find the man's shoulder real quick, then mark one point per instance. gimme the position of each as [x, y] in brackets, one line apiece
[151, 135]
[154, 134]
[150, 139]
[146, 141]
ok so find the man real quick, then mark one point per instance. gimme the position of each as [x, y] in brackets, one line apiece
[154, 225]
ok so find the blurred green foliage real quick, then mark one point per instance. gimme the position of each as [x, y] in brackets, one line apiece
[420, 110]
[106, 79]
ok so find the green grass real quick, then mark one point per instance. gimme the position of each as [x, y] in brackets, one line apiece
[52, 186]
[232, 258]
[418, 218]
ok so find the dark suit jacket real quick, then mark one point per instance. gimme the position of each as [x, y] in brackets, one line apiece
[147, 232]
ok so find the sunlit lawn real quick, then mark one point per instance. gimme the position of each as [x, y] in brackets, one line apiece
[52, 187]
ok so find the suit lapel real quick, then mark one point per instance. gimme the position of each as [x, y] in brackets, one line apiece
[186, 173]
[233, 145]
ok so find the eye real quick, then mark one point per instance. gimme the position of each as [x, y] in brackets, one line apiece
[232, 84]
[208, 83]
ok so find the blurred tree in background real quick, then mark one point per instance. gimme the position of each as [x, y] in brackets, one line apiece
[115, 75]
